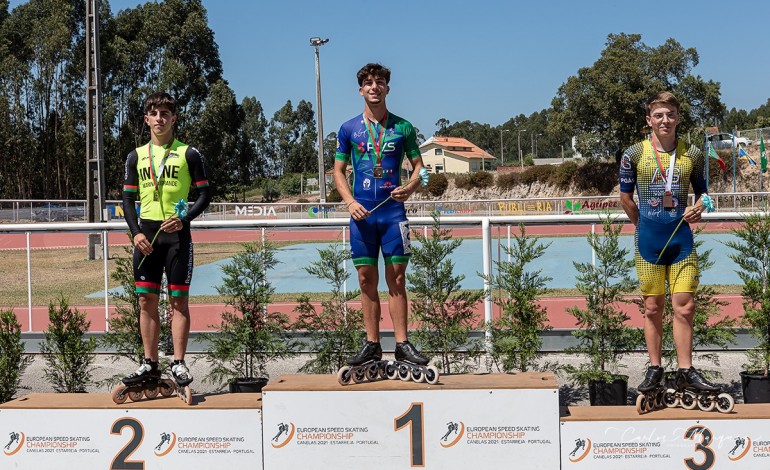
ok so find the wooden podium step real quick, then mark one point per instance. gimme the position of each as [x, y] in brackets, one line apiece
[617, 437]
[476, 421]
[88, 430]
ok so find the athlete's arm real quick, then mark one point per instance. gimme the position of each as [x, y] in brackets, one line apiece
[200, 181]
[628, 204]
[402, 193]
[356, 210]
[130, 192]
[693, 213]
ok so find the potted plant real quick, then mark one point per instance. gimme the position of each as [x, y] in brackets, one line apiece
[602, 334]
[249, 335]
[753, 259]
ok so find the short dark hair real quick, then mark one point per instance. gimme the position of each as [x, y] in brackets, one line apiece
[160, 98]
[377, 70]
[663, 97]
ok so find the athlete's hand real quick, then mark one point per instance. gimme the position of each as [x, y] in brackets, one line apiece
[400, 194]
[142, 244]
[171, 225]
[692, 214]
[357, 211]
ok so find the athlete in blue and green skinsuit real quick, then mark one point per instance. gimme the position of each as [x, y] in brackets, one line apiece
[375, 144]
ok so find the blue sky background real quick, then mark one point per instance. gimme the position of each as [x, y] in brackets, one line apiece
[485, 61]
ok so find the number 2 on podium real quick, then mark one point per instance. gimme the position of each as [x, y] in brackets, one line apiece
[413, 417]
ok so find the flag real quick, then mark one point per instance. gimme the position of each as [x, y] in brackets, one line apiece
[713, 154]
[743, 153]
[762, 156]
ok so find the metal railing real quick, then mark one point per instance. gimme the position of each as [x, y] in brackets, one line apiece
[485, 224]
[23, 211]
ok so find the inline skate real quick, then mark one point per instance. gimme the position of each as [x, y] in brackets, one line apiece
[651, 391]
[368, 366]
[183, 378]
[145, 381]
[694, 391]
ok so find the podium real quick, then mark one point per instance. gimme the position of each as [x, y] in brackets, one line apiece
[464, 421]
[51, 431]
[616, 437]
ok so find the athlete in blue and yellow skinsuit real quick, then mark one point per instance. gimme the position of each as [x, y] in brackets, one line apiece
[375, 144]
[663, 194]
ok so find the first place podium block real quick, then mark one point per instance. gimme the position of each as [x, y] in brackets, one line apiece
[89, 431]
[464, 421]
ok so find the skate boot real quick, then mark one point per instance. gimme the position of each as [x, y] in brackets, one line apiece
[183, 379]
[651, 391]
[365, 366]
[145, 381]
[411, 365]
[693, 390]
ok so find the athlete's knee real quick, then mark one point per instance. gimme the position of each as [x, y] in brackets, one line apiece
[685, 309]
[368, 279]
[180, 305]
[148, 302]
[653, 307]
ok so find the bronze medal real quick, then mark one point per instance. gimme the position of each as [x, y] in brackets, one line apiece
[377, 171]
[668, 201]
[155, 196]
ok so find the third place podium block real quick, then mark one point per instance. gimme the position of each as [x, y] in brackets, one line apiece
[464, 421]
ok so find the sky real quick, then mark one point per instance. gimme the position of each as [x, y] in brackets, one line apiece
[485, 61]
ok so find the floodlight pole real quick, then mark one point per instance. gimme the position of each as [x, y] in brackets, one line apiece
[317, 43]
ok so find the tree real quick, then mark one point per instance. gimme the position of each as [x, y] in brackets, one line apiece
[516, 338]
[444, 313]
[602, 104]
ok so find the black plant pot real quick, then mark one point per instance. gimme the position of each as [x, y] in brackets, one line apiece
[602, 393]
[756, 387]
[248, 385]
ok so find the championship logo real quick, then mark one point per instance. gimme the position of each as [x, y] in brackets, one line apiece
[15, 443]
[166, 444]
[740, 449]
[581, 450]
[453, 434]
[284, 435]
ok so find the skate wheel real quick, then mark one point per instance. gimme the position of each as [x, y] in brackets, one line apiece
[404, 373]
[151, 392]
[417, 375]
[705, 402]
[670, 399]
[135, 395]
[382, 370]
[641, 404]
[118, 395]
[359, 375]
[725, 403]
[372, 372]
[660, 400]
[167, 388]
[391, 371]
[344, 375]
[689, 401]
[431, 375]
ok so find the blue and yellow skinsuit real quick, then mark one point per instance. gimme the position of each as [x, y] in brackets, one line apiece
[640, 170]
[387, 227]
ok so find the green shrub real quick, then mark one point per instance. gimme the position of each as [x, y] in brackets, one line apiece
[437, 185]
[536, 174]
[563, 174]
[69, 357]
[463, 181]
[13, 361]
[598, 175]
[481, 180]
[507, 181]
[333, 196]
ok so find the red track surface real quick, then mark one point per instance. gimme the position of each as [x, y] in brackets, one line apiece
[205, 315]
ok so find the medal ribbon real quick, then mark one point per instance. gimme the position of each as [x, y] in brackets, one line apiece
[378, 143]
[153, 175]
[667, 177]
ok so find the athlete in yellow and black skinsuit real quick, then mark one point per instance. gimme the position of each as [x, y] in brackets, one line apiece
[161, 173]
